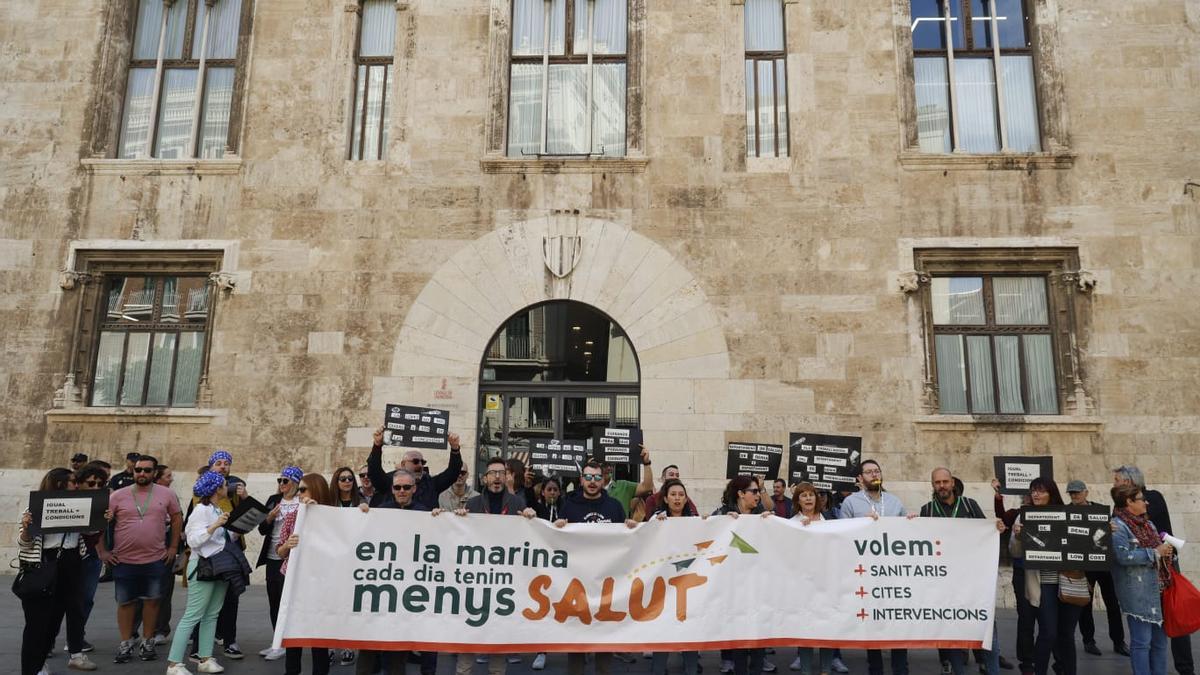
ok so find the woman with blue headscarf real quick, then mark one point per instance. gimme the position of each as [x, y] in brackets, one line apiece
[206, 537]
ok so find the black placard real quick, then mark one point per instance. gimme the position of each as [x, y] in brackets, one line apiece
[558, 458]
[1015, 473]
[828, 462]
[246, 516]
[753, 459]
[1066, 537]
[60, 511]
[412, 427]
[616, 446]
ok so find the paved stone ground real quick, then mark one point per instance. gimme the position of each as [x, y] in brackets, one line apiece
[254, 634]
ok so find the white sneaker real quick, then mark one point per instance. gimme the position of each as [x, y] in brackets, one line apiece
[80, 662]
[178, 669]
[482, 658]
[210, 665]
[264, 652]
[726, 666]
[514, 658]
[161, 639]
[275, 654]
[769, 666]
[796, 665]
[44, 670]
[839, 666]
[539, 661]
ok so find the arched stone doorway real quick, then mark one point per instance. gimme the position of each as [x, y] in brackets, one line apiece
[637, 283]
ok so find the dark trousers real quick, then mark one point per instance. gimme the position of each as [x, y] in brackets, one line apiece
[320, 661]
[1026, 620]
[899, 662]
[747, 661]
[1181, 654]
[392, 663]
[1087, 624]
[1056, 633]
[274, 588]
[44, 616]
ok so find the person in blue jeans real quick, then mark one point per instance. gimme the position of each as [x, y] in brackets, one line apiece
[1140, 573]
[206, 537]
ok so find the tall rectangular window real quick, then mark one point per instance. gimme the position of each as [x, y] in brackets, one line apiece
[151, 336]
[181, 79]
[974, 76]
[567, 79]
[373, 60]
[993, 345]
[766, 80]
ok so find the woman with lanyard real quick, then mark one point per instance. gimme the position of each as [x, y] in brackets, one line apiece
[742, 497]
[206, 537]
[63, 596]
[345, 489]
[1141, 571]
[1056, 620]
[312, 490]
[673, 503]
[279, 505]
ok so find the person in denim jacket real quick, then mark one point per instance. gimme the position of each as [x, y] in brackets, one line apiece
[1140, 573]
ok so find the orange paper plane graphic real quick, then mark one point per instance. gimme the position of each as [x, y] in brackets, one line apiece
[717, 560]
[703, 545]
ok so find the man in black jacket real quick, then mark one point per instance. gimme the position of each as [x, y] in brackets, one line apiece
[948, 502]
[494, 499]
[428, 487]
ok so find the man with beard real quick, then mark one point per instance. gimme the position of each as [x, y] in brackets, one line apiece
[496, 500]
[872, 501]
[591, 504]
[428, 487]
[948, 502]
[140, 514]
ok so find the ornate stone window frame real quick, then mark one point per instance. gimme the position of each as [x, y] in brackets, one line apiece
[1052, 114]
[84, 278]
[1067, 287]
[496, 124]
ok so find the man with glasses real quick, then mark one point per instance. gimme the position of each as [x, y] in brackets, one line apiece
[366, 489]
[427, 487]
[404, 491]
[591, 504]
[456, 496]
[140, 517]
[872, 501]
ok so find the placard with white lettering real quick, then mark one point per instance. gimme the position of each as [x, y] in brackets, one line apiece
[1067, 537]
[828, 462]
[754, 459]
[616, 446]
[558, 458]
[408, 426]
[1015, 473]
[56, 511]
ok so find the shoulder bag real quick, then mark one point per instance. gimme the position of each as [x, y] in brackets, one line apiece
[1073, 588]
[35, 582]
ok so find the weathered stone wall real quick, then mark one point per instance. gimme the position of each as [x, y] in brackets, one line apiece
[761, 295]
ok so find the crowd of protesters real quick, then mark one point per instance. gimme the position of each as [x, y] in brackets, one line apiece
[150, 540]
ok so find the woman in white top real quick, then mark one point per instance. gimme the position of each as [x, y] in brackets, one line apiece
[809, 505]
[206, 537]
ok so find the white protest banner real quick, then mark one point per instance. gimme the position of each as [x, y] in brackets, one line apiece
[396, 580]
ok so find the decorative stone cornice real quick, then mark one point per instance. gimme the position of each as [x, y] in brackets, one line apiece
[1001, 161]
[563, 165]
[162, 167]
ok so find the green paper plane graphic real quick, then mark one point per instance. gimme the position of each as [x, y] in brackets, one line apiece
[741, 545]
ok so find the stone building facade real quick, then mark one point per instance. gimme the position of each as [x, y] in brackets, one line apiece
[792, 291]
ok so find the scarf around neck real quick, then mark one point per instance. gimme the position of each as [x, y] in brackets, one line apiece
[1143, 530]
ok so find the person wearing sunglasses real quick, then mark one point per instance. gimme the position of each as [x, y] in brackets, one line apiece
[279, 505]
[404, 489]
[1141, 570]
[344, 488]
[140, 516]
[91, 477]
[365, 488]
[428, 486]
[742, 496]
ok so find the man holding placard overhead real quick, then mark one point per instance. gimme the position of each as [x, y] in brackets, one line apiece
[428, 486]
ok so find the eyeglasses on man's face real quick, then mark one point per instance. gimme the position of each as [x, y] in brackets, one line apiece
[419, 461]
[403, 487]
[143, 469]
[592, 477]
